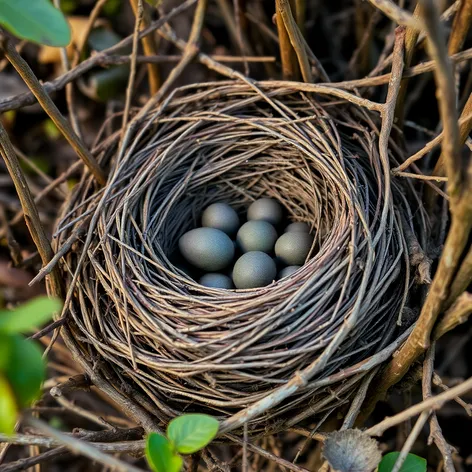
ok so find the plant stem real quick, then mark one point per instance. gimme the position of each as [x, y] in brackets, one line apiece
[29, 209]
[150, 49]
[287, 53]
[50, 108]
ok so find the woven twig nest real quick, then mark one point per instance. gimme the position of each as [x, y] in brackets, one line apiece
[175, 346]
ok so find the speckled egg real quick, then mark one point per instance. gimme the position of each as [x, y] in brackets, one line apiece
[293, 248]
[254, 269]
[215, 280]
[266, 209]
[256, 235]
[298, 227]
[208, 249]
[285, 272]
[221, 216]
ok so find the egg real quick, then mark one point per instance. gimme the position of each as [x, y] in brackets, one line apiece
[287, 271]
[256, 236]
[215, 280]
[266, 209]
[221, 216]
[293, 248]
[254, 269]
[207, 248]
[298, 227]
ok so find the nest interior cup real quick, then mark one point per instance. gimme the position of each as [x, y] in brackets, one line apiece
[175, 346]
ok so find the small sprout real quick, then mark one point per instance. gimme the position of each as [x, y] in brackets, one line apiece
[351, 451]
[186, 434]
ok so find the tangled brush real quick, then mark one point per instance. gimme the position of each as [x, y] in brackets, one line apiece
[174, 346]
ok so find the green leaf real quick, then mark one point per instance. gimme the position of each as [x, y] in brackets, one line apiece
[28, 316]
[26, 370]
[5, 351]
[161, 456]
[8, 409]
[412, 463]
[35, 20]
[191, 432]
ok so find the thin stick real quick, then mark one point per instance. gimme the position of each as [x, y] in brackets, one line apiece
[397, 14]
[149, 45]
[456, 315]
[461, 208]
[29, 209]
[435, 430]
[287, 53]
[69, 88]
[138, 8]
[50, 108]
[415, 432]
[460, 27]
[433, 403]
[411, 39]
[296, 38]
[81, 447]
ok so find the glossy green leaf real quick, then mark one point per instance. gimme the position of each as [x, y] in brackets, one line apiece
[29, 316]
[35, 20]
[161, 455]
[8, 409]
[190, 433]
[412, 463]
[26, 370]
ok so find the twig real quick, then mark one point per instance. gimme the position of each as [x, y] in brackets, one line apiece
[461, 280]
[434, 178]
[287, 52]
[83, 448]
[29, 209]
[69, 88]
[78, 382]
[460, 27]
[433, 403]
[50, 108]
[25, 464]
[50, 327]
[149, 45]
[456, 315]
[415, 432]
[465, 125]
[461, 208]
[397, 14]
[296, 39]
[138, 9]
[411, 39]
[435, 430]
[438, 381]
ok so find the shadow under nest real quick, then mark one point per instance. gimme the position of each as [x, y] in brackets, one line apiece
[173, 346]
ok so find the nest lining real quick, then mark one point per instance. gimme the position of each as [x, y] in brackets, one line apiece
[186, 347]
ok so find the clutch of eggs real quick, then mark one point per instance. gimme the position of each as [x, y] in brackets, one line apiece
[228, 254]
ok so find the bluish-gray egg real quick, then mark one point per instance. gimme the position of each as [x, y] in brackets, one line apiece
[254, 269]
[266, 209]
[298, 227]
[286, 271]
[215, 280]
[293, 248]
[256, 235]
[221, 216]
[208, 249]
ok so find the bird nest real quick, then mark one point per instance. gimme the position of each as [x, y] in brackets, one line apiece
[174, 346]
